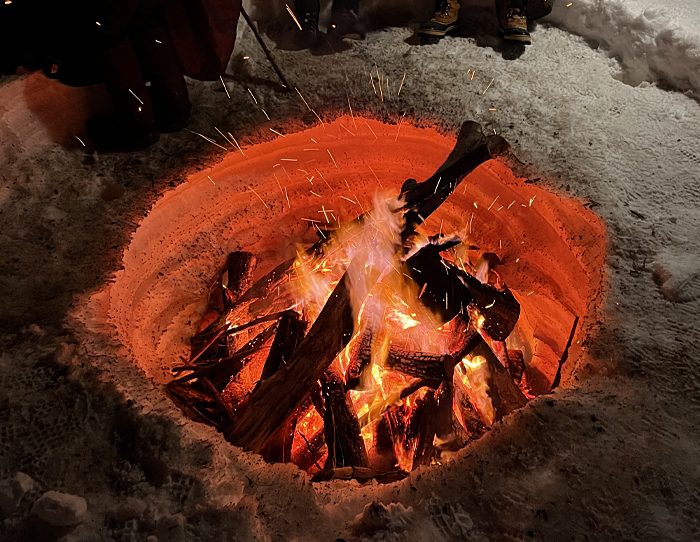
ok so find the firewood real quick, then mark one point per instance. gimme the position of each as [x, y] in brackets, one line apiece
[516, 365]
[238, 277]
[280, 394]
[360, 359]
[419, 364]
[565, 354]
[312, 451]
[361, 474]
[468, 417]
[447, 291]
[504, 393]
[346, 448]
[220, 371]
[420, 430]
[290, 332]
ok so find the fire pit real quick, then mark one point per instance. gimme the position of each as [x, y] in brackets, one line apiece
[317, 305]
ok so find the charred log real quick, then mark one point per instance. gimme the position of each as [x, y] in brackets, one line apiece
[419, 364]
[360, 359]
[346, 448]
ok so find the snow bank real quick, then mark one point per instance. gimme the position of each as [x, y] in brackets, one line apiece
[656, 41]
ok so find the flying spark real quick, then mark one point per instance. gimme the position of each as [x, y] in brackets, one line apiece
[289, 10]
[224, 84]
[402, 82]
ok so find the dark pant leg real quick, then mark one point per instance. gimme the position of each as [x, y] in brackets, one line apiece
[346, 5]
[159, 64]
[119, 66]
[307, 6]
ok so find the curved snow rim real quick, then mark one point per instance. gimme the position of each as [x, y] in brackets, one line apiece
[555, 248]
[659, 44]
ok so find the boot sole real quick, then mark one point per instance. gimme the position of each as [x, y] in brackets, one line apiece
[437, 33]
[527, 40]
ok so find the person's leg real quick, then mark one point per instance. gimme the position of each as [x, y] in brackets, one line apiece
[307, 12]
[133, 125]
[443, 21]
[345, 20]
[159, 64]
[513, 21]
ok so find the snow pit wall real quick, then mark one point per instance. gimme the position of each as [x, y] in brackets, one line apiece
[551, 248]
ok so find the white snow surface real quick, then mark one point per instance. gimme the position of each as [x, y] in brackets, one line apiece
[614, 457]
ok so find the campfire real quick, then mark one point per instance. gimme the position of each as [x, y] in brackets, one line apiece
[374, 351]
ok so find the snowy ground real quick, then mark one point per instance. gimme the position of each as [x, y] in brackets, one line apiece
[615, 458]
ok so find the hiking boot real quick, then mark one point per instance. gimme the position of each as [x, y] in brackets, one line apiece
[347, 25]
[308, 37]
[514, 27]
[443, 21]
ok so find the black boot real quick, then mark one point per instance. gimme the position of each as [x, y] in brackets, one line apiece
[307, 13]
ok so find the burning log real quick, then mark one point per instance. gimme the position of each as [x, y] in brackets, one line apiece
[220, 371]
[421, 430]
[238, 277]
[360, 359]
[312, 451]
[419, 364]
[278, 396]
[346, 447]
[290, 331]
[505, 395]
[516, 365]
[447, 291]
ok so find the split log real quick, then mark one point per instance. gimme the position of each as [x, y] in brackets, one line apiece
[467, 415]
[309, 455]
[220, 371]
[290, 331]
[505, 395]
[419, 364]
[346, 448]
[420, 430]
[516, 365]
[238, 277]
[280, 394]
[447, 291]
[360, 359]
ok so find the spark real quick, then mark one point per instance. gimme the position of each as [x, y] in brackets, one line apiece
[399, 128]
[325, 212]
[98, 23]
[441, 222]
[253, 96]
[159, 42]
[314, 193]
[533, 199]
[375, 176]
[422, 290]
[311, 149]
[351, 201]
[276, 132]
[76, 137]
[437, 185]
[517, 260]
[289, 160]
[352, 114]
[533, 291]
[236, 142]
[135, 96]
[511, 204]
[370, 129]
[470, 223]
[489, 86]
[222, 135]
[303, 100]
[224, 84]
[289, 10]
[491, 305]
[283, 192]
[209, 139]
[494, 201]
[254, 192]
[501, 207]
[402, 82]
[379, 79]
[212, 180]
[312, 220]
[348, 131]
[287, 196]
[265, 113]
[492, 109]
[329, 154]
[475, 206]
[567, 5]
[303, 171]
[473, 74]
[371, 78]
[312, 139]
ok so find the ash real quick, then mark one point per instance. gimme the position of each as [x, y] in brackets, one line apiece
[603, 107]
